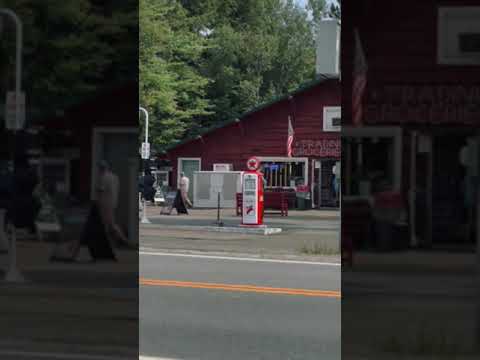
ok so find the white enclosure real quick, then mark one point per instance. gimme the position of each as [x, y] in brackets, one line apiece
[207, 184]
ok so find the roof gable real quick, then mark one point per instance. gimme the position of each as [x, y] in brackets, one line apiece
[304, 87]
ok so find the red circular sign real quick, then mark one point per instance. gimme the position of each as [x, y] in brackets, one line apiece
[253, 163]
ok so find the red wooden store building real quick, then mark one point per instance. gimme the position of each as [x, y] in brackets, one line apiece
[421, 107]
[104, 127]
[314, 110]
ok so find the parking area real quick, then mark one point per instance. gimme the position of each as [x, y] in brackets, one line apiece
[305, 234]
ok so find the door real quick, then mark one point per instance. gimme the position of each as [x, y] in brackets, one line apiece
[189, 166]
[448, 210]
[422, 187]
[326, 193]
[117, 148]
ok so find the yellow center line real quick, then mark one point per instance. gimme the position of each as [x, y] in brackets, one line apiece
[241, 288]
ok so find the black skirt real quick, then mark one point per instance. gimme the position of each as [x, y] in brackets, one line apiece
[95, 238]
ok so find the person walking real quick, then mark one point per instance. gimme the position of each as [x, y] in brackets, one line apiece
[148, 186]
[184, 187]
[24, 206]
[101, 227]
[107, 200]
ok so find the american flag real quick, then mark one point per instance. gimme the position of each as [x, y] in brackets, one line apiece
[291, 134]
[359, 81]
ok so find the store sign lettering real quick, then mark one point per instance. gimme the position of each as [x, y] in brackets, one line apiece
[320, 148]
[424, 104]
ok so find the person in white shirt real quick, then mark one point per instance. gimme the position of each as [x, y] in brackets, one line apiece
[184, 186]
[107, 199]
[106, 202]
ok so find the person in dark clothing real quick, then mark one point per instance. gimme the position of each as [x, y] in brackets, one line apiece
[148, 188]
[6, 187]
[23, 206]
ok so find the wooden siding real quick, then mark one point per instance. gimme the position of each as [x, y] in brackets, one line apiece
[400, 43]
[264, 133]
[116, 108]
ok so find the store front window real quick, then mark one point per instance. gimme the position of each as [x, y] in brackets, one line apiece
[284, 172]
[372, 164]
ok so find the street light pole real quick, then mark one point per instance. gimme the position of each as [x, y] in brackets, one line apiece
[13, 274]
[18, 60]
[144, 211]
[146, 123]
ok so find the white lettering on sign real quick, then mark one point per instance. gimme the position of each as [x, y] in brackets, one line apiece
[424, 104]
[321, 148]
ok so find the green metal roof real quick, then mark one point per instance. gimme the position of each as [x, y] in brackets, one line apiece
[306, 86]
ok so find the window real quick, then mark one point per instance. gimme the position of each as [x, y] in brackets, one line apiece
[332, 118]
[459, 35]
[371, 159]
[469, 42]
[284, 172]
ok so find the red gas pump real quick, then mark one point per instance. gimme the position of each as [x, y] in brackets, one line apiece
[252, 188]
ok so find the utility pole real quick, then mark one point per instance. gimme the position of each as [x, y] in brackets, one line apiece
[13, 274]
[145, 156]
[475, 163]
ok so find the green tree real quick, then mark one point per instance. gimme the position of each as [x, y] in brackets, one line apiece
[320, 9]
[171, 87]
[70, 48]
[257, 50]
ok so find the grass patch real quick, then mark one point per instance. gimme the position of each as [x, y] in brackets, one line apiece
[313, 248]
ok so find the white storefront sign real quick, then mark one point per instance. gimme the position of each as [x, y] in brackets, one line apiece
[222, 167]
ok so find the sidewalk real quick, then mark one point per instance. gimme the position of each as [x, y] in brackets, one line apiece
[306, 235]
[413, 261]
[415, 302]
[72, 306]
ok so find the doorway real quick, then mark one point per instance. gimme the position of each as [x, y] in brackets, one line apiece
[324, 190]
[189, 166]
[441, 210]
[421, 188]
[449, 215]
[119, 147]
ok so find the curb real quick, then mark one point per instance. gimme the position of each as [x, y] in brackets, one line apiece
[37, 289]
[326, 259]
[222, 229]
[232, 229]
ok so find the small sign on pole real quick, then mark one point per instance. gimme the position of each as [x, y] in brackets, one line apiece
[145, 150]
[217, 183]
[11, 111]
[217, 186]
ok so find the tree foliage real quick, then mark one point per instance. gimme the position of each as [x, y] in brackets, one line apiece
[171, 87]
[70, 48]
[203, 62]
[258, 50]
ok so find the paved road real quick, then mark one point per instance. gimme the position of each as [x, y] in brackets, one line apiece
[203, 308]
[300, 234]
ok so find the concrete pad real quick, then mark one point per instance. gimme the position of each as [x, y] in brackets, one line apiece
[261, 230]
